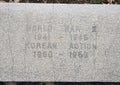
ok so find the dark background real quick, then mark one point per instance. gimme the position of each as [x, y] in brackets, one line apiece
[67, 1]
[59, 83]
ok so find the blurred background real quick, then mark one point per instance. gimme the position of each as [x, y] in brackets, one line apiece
[58, 83]
[65, 1]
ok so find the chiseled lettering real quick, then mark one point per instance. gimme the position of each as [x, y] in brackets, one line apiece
[41, 45]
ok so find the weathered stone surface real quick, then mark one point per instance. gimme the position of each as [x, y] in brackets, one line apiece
[55, 42]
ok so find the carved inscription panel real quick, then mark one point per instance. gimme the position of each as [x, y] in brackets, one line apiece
[59, 42]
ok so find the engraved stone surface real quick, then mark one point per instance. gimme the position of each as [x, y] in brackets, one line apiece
[58, 42]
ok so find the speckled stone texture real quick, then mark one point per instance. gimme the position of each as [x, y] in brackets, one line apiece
[59, 42]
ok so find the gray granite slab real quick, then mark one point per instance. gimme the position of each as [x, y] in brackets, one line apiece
[59, 42]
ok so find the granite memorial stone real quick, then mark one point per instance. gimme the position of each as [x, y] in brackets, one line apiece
[59, 42]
